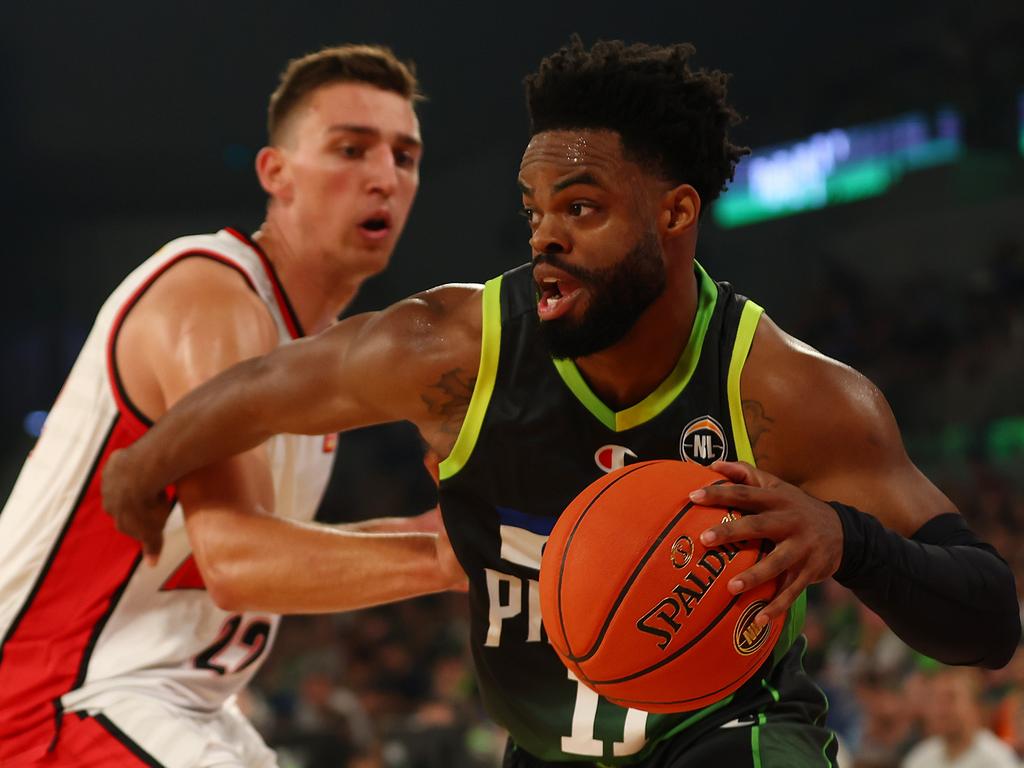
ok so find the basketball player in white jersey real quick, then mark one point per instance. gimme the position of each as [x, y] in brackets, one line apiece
[107, 662]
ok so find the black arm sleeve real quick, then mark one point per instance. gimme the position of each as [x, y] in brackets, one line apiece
[945, 592]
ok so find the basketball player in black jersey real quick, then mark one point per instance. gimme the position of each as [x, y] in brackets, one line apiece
[613, 344]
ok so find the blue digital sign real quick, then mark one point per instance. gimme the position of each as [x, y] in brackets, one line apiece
[837, 166]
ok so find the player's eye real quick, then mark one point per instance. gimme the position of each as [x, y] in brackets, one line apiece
[578, 208]
[351, 150]
[405, 159]
[529, 214]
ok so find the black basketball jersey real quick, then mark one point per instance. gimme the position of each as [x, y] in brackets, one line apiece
[535, 435]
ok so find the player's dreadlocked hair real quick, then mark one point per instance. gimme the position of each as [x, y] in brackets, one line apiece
[672, 120]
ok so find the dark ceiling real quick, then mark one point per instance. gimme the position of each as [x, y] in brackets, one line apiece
[129, 123]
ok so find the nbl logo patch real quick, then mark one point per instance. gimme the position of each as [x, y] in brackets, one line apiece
[703, 441]
[747, 637]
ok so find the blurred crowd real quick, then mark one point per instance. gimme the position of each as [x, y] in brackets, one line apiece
[386, 687]
[393, 687]
[950, 359]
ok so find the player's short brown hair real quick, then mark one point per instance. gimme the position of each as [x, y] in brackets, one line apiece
[374, 65]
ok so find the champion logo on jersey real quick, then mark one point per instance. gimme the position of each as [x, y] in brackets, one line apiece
[330, 442]
[703, 441]
[611, 457]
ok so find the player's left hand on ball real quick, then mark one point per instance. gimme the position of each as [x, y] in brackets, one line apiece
[807, 533]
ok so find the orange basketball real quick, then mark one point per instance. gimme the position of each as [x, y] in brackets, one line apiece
[637, 607]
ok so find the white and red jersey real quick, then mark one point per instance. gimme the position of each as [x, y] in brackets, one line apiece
[82, 621]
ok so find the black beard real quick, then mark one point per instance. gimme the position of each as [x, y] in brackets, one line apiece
[618, 296]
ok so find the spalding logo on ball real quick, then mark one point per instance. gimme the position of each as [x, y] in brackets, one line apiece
[637, 608]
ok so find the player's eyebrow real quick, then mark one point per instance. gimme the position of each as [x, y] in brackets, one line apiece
[523, 188]
[368, 130]
[584, 177]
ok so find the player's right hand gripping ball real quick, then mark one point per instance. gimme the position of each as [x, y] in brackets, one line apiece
[637, 608]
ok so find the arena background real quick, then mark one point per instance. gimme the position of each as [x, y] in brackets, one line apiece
[895, 129]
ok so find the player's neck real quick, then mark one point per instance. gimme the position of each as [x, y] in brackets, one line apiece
[318, 291]
[626, 373]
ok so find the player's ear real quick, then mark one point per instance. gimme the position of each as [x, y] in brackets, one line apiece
[272, 171]
[680, 209]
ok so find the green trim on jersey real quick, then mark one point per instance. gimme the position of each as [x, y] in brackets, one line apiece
[768, 687]
[792, 628]
[824, 751]
[755, 739]
[744, 336]
[694, 718]
[669, 389]
[490, 346]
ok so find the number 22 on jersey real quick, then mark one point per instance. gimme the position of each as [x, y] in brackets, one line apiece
[236, 646]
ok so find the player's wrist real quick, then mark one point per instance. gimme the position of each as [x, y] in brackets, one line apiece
[143, 468]
[853, 552]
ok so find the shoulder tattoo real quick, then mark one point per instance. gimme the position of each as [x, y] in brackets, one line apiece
[758, 424]
[448, 399]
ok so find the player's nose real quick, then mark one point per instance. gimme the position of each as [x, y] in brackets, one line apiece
[382, 173]
[550, 237]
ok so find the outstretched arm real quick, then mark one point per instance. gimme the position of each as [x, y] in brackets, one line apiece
[368, 369]
[196, 320]
[252, 560]
[829, 432]
[312, 386]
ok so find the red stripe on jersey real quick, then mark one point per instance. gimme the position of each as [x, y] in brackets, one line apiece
[124, 403]
[47, 648]
[185, 576]
[291, 320]
[96, 742]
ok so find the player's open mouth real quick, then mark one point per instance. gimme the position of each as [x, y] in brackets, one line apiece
[557, 295]
[376, 227]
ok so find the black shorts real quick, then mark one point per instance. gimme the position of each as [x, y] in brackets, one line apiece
[782, 727]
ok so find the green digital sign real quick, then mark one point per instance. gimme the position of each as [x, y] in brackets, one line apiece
[837, 166]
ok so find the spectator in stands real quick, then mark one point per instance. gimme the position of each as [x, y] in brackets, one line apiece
[954, 717]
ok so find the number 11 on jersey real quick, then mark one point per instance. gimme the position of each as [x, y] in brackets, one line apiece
[584, 719]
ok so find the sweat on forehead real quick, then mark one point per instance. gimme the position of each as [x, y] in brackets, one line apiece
[574, 148]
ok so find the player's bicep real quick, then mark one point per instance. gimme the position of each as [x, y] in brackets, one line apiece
[826, 428]
[210, 339]
[863, 461]
[196, 320]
